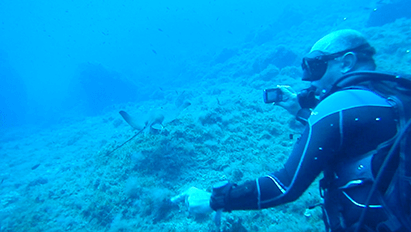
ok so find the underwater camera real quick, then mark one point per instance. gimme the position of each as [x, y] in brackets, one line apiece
[274, 95]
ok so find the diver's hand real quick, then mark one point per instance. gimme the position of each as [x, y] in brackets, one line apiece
[197, 200]
[290, 100]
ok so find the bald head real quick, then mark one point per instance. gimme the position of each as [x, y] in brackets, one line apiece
[339, 41]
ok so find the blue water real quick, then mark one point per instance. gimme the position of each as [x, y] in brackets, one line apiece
[68, 67]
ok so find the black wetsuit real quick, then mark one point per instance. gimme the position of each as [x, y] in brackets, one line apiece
[341, 138]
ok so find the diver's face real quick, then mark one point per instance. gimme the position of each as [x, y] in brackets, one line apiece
[332, 74]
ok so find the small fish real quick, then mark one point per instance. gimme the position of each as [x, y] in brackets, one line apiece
[154, 51]
[229, 32]
[160, 29]
[35, 166]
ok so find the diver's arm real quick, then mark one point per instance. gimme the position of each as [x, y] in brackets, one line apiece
[310, 155]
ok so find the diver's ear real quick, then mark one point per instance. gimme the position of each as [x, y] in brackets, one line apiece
[348, 62]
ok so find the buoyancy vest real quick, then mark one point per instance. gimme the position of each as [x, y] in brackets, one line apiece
[393, 191]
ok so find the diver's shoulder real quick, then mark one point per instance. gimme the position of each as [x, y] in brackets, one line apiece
[355, 97]
[347, 99]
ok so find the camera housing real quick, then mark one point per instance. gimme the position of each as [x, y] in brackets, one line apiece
[274, 95]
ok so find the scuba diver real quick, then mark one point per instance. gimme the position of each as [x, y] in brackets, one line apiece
[357, 123]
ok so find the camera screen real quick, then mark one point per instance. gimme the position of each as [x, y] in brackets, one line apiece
[272, 95]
